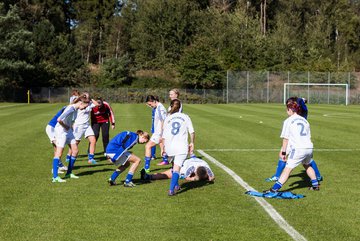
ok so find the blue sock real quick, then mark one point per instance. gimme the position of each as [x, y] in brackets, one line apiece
[55, 166]
[68, 157]
[314, 183]
[165, 158]
[91, 156]
[153, 151]
[147, 162]
[174, 180]
[129, 177]
[280, 167]
[277, 186]
[316, 169]
[115, 174]
[71, 164]
[60, 164]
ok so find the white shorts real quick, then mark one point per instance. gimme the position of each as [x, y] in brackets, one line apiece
[64, 137]
[299, 156]
[83, 130]
[179, 159]
[155, 138]
[50, 131]
[121, 160]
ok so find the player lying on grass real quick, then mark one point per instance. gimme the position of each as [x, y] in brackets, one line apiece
[118, 152]
[193, 169]
[296, 147]
[303, 111]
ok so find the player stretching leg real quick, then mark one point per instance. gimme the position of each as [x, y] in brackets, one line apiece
[296, 146]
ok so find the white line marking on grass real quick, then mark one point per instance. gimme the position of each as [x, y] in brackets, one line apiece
[278, 149]
[264, 204]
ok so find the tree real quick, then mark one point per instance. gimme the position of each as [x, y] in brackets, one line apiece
[16, 49]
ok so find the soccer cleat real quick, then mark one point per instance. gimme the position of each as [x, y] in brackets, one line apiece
[153, 158]
[270, 193]
[59, 171]
[71, 175]
[92, 161]
[177, 188]
[58, 179]
[171, 193]
[163, 163]
[320, 178]
[63, 168]
[129, 184]
[272, 179]
[314, 188]
[147, 170]
[111, 182]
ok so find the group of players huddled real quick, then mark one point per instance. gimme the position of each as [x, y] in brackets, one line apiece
[170, 130]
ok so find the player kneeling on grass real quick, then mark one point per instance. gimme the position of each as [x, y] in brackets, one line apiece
[296, 146]
[193, 169]
[118, 152]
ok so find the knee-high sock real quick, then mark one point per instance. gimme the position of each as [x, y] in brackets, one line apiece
[129, 177]
[280, 167]
[147, 162]
[71, 165]
[115, 175]
[316, 169]
[153, 151]
[174, 180]
[55, 166]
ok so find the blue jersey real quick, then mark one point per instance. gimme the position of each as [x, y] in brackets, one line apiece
[121, 143]
[303, 108]
[53, 121]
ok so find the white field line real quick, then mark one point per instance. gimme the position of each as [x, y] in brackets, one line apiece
[264, 204]
[278, 149]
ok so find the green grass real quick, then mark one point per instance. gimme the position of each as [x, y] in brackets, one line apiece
[33, 208]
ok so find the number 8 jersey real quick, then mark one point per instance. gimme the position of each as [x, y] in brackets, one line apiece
[297, 130]
[176, 129]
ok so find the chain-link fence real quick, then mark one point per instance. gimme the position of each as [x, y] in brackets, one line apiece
[268, 87]
[240, 87]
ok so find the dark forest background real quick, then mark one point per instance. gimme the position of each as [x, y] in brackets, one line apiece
[171, 43]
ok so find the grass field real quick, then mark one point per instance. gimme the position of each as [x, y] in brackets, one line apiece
[33, 208]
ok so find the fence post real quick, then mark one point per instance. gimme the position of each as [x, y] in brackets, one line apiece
[267, 89]
[247, 86]
[227, 87]
[329, 88]
[308, 86]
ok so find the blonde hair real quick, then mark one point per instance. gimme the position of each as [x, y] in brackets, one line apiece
[176, 91]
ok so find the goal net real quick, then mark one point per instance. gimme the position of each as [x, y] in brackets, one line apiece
[318, 93]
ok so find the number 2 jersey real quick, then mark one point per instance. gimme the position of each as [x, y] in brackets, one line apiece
[177, 126]
[297, 130]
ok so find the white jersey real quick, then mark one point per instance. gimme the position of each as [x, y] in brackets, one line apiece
[67, 117]
[297, 130]
[83, 116]
[176, 129]
[190, 165]
[159, 117]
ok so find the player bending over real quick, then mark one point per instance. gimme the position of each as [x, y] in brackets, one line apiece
[118, 152]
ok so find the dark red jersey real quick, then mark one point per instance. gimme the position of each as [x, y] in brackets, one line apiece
[102, 114]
